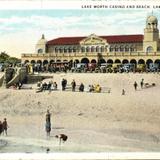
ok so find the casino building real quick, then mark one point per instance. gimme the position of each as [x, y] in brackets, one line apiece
[137, 49]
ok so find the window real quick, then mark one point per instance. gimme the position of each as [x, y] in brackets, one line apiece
[65, 50]
[126, 49]
[74, 49]
[70, 50]
[102, 49]
[97, 49]
[87, 49]
[116, 49]
[111, 49]
[121, 49]
[131, 49]
[40, 50]
[61, 50]
[56, 50]
[149, 49]
[82, 49]
[92, 49]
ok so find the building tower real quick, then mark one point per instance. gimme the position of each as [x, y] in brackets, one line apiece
[41, 45]
[151, 35]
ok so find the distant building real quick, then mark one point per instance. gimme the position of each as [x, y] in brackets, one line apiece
[137, 49]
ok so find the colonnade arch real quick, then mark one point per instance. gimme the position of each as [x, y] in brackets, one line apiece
[141, 61]
[52, 61]
[125, 61]
[93, 61]
[26, 61]
[117, 61]
[84, 60]
[39, 61]
[133, 61]
[45, 62]
[110, 61]
[65, 60]
[157, 61]
[76, 61]
[33, 61]
[148, 62]
[102, 60]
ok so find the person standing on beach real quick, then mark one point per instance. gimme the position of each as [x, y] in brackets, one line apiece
[63, 84]
[142, 83]
[1, 127]
[135, 85]
[48, 116]
[48, 123]
[73, 84]
[123, 92]
[5, 126]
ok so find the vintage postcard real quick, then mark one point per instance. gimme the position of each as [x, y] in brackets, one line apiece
[79, 78]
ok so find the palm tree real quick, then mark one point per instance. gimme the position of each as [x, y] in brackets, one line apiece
[3, 56]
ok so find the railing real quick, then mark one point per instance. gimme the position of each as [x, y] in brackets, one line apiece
[90, 54]
[34, 55]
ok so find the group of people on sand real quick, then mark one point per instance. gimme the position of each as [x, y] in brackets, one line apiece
[61, 137]
[97, 88]
[43, 86]
[3, 127]
[73, 85]
[135, 86]
[17, 85]
[91, 88]
[141, 84]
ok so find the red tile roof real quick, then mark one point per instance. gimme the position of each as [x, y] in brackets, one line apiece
[123, 38]
[110, 39]
[65, 41]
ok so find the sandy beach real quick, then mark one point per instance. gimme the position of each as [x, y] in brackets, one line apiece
[93, 122]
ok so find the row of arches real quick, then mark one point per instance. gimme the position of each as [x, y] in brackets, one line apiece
[112, 48]
[86, 60]
[122, 48]
[80, 49]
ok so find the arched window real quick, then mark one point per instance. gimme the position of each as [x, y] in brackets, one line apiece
[74, 49]
[121, 49]
[61, 50]
[82, 49]
[65, 50]
[116, 48]
[102, 49]
[126, 49]
[70, 50]
[131, 48]
[92, 49]
[111, 49]
[97, 49]
[149, 49]
[40, 50]
[56, 50]
[106, 49]
[87, 49]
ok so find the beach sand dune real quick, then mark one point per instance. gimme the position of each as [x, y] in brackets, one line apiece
[93, 122]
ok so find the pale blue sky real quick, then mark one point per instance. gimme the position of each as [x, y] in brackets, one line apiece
[21, 29]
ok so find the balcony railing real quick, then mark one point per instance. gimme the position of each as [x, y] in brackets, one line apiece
[89, 54]
[34, 55]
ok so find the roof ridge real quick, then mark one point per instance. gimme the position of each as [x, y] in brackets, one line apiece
[100, 36]
[109, 38]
